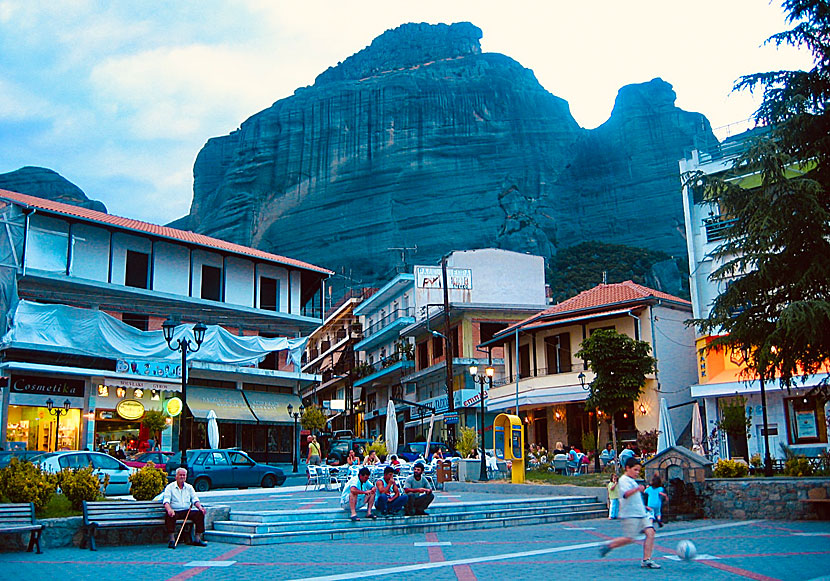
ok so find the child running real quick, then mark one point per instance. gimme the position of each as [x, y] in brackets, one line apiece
[633, 514]
[613, 497]
[656, 494]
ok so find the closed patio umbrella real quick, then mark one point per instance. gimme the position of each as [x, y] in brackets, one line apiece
[697, 430]
[212, 429]
[391, 428]
[665, 436]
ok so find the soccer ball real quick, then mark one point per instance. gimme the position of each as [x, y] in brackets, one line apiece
[686, 550]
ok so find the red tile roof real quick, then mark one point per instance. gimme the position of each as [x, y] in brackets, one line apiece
[154, 229]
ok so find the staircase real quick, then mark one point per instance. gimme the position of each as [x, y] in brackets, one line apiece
[289, 526]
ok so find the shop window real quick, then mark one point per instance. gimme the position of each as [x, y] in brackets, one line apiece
[558, 353]
[211, 283]
[140, 322]
[138, 268]
[805, 420]
[269, 290]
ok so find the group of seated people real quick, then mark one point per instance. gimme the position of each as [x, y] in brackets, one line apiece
[538, 455]
[385, 495]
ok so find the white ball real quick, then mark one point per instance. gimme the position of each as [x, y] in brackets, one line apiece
[686, 550]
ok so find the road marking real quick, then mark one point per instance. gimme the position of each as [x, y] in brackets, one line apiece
[703, 557]
[433, 544]
[811, 534]
[505, 556]
[580, 528]
[209, 563]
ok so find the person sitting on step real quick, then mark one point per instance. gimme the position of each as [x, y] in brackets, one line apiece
[419, 492]
[389, 497]
[357, 492]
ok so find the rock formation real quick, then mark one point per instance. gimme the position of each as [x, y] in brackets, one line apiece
[48, 184]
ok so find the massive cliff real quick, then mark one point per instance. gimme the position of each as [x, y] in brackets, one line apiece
[46, 183]
[422, 140]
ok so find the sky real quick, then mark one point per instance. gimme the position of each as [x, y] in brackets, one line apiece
[119, 97]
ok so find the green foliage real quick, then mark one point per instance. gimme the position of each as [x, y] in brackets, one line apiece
[620, 365]
[589, 441]
[467, 440]
[148, 482]
[755, 461]
[647, 441]
[580, 267]
[81, 484]
[25, 482]
[313, 419]
[58, 507]
[378, 445]
[734, 419]
[155, 421]
[730, 469]
[776, 253]
[798, 466]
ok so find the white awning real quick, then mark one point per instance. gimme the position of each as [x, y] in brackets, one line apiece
[538, 397]
[754, 386]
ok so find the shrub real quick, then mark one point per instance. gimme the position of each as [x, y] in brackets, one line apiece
[81, 484]
[379, 446]
[647, 441]
[798, 466]
[467, 440]
[730, 469]
[25, 482]
[147, 483]
[755, 461]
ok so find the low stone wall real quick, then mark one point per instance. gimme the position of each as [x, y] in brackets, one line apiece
[67, 532]
[771, 498]
[501, 487]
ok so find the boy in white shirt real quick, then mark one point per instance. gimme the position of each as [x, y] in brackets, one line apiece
[633, 515]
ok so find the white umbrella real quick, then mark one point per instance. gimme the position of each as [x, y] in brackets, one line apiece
[391, 428]
[665, 436]
[212, 429]
[697, 430]
[429, 437]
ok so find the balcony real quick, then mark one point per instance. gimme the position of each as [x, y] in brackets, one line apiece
[716, 227]
[392, 364]
[386, 328]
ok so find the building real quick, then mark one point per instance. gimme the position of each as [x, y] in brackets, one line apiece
[87, 292]
[544, 379]
[795, 417]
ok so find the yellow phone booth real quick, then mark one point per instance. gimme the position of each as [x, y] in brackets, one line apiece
[509, 444]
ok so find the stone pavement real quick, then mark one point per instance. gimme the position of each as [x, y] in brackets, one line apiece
[753, 549]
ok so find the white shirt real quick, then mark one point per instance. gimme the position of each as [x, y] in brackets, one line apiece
[354, 481]
[631, 507]
[179, 498]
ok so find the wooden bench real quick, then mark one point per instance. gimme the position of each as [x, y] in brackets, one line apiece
[20, 518]
[818, 498]
[123, 514]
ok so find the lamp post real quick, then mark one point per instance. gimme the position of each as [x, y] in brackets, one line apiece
[57, 412]
[586, 387]
[481, 379]
[296, 416]
[184, 345]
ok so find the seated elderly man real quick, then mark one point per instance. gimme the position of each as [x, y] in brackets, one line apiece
[357, 492]
[179, 497]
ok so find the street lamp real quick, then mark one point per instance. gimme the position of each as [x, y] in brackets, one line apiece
[57, 412]
[296, 416]
[481, 379]
[184, 345]
[586, 387]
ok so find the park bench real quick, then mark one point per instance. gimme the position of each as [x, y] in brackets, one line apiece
[818, 498]
[122, 514]
[20, 518]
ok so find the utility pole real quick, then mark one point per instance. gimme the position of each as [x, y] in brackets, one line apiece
[448, 353]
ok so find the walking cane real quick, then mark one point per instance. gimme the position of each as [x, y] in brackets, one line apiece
[183, 524]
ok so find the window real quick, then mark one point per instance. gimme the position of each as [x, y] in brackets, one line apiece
[487, 330]
[106, 463]
[437, 347]
[422, 355]
[211, 283]
[558, 353]
[805, 420]
[217, 459]
[238, 459]
[524, 360]
[137, 272]
[140, 322]
[269, 291]
[455, 335]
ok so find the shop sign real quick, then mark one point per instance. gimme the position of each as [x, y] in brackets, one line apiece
[173, 406]
[432, 277]
[130, 409]
[451, 418]
[48, 386]
[475, 399]
[149, 368]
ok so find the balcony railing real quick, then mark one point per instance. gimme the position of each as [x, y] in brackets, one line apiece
[388, 320]
[367, 369]
[716, 227]
[575, 367]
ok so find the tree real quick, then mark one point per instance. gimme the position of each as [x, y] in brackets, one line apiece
[620, 365]
[155, 421]
[775, 255]
[313, 419]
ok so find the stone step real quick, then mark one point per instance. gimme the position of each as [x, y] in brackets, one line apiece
[339, 517]
[281, 516]
[411, 525]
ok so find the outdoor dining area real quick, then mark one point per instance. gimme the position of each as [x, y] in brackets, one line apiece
[336, 477]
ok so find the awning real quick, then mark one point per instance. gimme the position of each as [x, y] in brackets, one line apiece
[753, 386]
[272, 407]
[228, 404]
[538, 397]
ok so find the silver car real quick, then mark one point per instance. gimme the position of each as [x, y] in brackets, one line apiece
[118, 472]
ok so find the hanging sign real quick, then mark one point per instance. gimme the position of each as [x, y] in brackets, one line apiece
[130, 409]
[173, 406]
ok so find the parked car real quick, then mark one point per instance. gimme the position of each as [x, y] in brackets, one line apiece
[22, 455]
[414, 450]
[216, 468]
[158, 458]
[118, 472]
[340, 450]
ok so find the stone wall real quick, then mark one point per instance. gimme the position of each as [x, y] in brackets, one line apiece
[771, 498]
